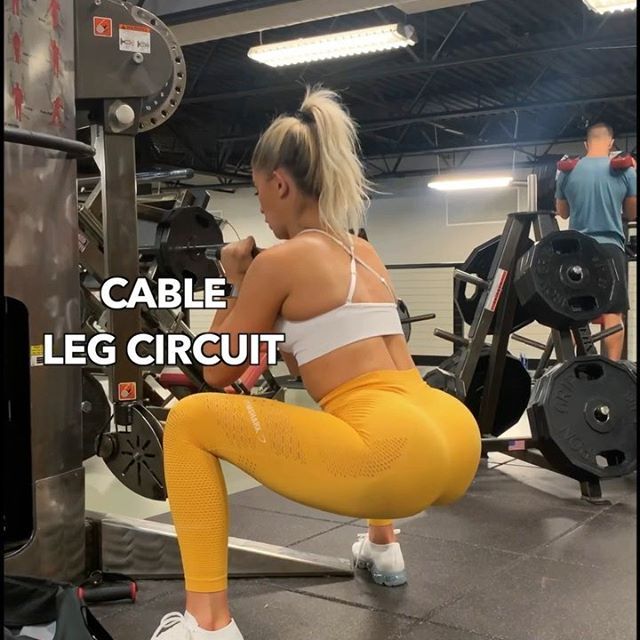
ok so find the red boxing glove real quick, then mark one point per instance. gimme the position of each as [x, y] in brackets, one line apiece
[567, 164]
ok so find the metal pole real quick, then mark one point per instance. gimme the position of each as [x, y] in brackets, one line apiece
[532, 192]
[74, 148]
[115, 158]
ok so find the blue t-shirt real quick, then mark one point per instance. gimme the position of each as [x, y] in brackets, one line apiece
[595, 195]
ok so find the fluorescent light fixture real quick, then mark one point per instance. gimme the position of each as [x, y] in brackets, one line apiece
[335, 45]
[607, 6]
[462, 183]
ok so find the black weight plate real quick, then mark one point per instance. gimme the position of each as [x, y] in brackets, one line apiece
[467, 296]
[583, 414]
[441, 378]
[514, 394]
[136, 458]
[403, 312]
[95, 413]
[182, 228]
[565, 280]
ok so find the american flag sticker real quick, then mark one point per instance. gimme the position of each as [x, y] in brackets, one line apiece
[496, 289]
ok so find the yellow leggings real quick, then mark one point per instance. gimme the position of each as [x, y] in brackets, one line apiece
[384, 446]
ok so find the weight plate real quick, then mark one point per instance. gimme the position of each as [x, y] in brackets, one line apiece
[95, 413]
[183, 228]
[583, 415]
[565, 280]
[467, 296]
[135, 457]
[514, 394]
[158, 108]
[403, 312]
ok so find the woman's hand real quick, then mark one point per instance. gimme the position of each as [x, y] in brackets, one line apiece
[236, 257]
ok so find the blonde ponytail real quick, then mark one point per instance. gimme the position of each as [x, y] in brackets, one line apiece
[319, 147]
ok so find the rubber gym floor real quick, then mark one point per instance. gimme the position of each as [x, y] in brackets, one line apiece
[520, 557]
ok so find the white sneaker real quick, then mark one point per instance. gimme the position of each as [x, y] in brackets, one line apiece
[383, 561]
[176, 626]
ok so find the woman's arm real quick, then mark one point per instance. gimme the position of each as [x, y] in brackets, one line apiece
[262, 291]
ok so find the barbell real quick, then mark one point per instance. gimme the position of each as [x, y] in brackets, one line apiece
[182, 240]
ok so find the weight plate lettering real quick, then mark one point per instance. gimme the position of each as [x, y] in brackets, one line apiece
[583, 414]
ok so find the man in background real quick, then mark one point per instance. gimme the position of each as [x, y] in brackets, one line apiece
[595, 199]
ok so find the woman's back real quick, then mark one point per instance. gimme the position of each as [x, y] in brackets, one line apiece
[318, 272]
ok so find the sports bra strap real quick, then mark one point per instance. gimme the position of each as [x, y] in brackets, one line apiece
[354, 259]
[352, 286]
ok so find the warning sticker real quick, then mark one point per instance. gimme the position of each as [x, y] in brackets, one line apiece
[136, 38]
[126, 391]
[496, 289]
[37, 355]
[102, 27]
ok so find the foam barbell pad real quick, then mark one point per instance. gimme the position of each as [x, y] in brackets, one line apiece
[567, 164]
[618, 163]
[621, 163]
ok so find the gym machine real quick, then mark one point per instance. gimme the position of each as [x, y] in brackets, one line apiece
[123, 83]
[42, 295]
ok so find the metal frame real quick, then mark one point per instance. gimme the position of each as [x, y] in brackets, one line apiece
[499, 298]
[116, 159]
[148, 549]
[41, 271]
[112, 249]
[73, 148]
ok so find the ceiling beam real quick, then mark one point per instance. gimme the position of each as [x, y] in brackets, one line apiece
[389, 123]
[521, 145]
[378, 72]
[492, 146]
[218, 20]
[490, 111]
[438, 51]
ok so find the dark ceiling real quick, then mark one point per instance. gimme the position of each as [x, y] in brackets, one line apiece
[554, 63]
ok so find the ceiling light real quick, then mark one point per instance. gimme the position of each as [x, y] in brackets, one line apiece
[462, 183]
[335, 45]
[607, 6]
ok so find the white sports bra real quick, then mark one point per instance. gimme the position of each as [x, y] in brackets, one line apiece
[351, 322]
